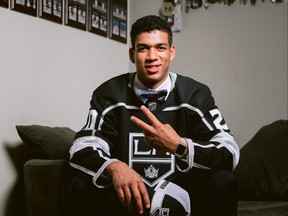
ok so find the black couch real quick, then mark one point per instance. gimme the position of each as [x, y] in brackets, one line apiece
[261, 172]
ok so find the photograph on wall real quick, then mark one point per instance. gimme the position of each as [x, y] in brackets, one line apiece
[76, 13]
[4, 3]
[98, 17]
[51, 10]
[118, 20]
[25, 6]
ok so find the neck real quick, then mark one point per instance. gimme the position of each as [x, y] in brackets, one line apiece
[153, 85]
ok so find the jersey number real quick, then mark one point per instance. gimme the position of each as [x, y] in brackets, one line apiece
[218, 120]
[91, 120]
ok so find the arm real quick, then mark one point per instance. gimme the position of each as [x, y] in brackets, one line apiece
[90, 153]
[218, 152]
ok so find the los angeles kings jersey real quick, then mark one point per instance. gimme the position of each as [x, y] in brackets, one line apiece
[109, 134]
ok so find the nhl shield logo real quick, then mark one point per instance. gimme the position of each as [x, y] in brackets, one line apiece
[152, 165]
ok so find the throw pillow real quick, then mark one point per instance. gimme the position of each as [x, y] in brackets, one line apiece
[47, 142]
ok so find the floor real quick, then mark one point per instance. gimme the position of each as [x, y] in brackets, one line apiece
[262, 208]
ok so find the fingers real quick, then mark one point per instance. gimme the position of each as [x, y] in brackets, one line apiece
[141, 124]
[141, 197]
[124, 196]
[145, 196]
[139, 193]
[151, 117]
[138, 199]
[133, 189]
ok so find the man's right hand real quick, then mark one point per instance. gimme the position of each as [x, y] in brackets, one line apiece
[128, 185]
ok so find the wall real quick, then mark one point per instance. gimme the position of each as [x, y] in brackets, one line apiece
[240, 51]
[48, 72]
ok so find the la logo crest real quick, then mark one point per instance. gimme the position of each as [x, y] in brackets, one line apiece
[152, 165]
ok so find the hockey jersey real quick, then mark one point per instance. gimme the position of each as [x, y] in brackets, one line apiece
[109, 134]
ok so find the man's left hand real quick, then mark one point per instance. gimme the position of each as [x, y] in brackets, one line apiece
[159, 136]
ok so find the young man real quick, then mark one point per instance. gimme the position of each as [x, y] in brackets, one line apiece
[134, 139]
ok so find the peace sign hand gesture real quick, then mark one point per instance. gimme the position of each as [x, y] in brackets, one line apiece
[159, 136]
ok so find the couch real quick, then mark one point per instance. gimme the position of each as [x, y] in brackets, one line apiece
[261, 172]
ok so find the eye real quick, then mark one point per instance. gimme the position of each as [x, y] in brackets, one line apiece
[162, 48]
[142, 49]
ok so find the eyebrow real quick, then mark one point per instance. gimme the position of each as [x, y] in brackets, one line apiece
[146, 45]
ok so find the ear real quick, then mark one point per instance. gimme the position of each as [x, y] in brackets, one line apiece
[131, 55]
[172, 52]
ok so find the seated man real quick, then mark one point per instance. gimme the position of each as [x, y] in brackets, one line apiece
[151, 136]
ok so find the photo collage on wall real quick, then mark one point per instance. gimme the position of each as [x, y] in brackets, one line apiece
[25, 6]
[118, 25]
[98, 22]
[4, 3]
[107, 18]
[76, 13]
[51, 10]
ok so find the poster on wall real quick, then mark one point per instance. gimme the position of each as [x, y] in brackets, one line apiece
[118, 20]
[4, 3]
[99, 17]
[76, 13]
[25, 6]
[51, 10]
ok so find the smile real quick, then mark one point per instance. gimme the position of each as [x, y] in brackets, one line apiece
[152, 68]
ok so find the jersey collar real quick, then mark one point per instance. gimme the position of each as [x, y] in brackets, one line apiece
[138, 85]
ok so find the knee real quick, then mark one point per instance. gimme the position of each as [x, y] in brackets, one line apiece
[225, 183]
[77, 184]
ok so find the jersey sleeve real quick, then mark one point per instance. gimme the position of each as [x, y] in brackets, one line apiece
[210, 144]
[90, 151]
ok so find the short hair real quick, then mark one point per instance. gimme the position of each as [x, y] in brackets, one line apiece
[150, 23]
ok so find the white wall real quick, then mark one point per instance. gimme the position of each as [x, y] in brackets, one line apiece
[47, 74]
[240, 51]
[48, 71]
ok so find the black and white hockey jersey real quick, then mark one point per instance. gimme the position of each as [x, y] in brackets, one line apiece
[109, 134]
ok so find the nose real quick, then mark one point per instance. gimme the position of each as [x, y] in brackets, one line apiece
[152, 54]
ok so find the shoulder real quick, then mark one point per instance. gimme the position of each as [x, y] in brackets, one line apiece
[113, 90]
[117, 81]
[193, 92]
[190, 85]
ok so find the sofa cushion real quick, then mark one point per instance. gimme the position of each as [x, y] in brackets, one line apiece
[262, 169]
[47, 142]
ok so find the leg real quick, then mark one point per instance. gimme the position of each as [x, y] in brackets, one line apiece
[225, 188]
[86, 199]
[212, 193]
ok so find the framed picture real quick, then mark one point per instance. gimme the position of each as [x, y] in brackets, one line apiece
[4, 3]
[51, 10]
[76, 13]
[25, 6]
[118, 20]
[99, 17]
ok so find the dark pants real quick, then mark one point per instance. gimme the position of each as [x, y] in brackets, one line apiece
[212, 193]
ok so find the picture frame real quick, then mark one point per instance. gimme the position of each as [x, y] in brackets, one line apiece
[4, 3]
[51, 10]
[25, 6]
[99, 17]
[76, 13]
[118, 20]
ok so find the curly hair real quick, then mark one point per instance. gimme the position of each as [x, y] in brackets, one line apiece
[148, 24]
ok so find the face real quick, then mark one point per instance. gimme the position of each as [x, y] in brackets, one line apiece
[152, 56]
